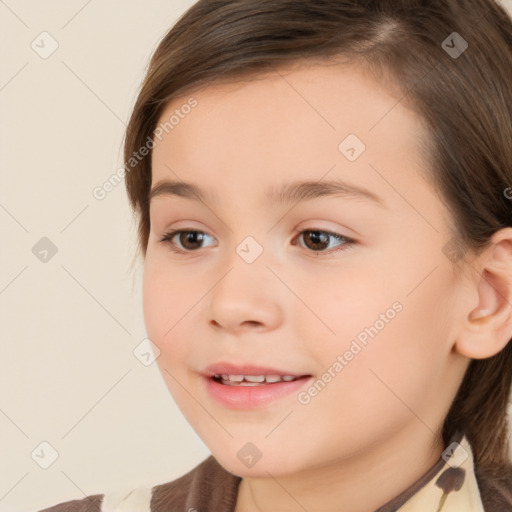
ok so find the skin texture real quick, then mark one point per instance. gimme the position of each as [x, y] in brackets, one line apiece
[371, 432]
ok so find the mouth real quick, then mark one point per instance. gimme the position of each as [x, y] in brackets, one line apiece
[250, 387]
[254, 380]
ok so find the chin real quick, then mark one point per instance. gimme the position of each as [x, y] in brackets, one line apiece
[238, 462]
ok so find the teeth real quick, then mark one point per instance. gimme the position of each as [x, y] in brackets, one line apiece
[253, 380]
[272, 378]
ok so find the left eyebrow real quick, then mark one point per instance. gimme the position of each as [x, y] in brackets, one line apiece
[299, 191]
[293, 192]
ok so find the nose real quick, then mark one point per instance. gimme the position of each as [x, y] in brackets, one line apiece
[246, 298]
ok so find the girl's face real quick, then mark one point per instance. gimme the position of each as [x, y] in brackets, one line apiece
[353, 288]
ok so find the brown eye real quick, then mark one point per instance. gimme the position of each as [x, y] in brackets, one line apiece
[316, 240]
[190, 239]
[319, 240]
[187, 240]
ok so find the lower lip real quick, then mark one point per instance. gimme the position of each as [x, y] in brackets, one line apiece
[250, 397]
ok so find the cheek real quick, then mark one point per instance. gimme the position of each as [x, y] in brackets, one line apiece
[402, 366]
[165, 302]
[392, 328]
[155, 301]
[164, 317]
[380, 385]
[350, 304]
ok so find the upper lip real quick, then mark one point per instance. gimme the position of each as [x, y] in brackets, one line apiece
[245, 369]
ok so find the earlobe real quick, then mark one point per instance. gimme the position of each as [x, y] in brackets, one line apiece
[488, 326]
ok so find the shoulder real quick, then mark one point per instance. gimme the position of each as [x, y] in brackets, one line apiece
[88, 504]
[205, 486]
[136, 500]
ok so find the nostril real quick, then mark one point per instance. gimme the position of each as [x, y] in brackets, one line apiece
[252, 323]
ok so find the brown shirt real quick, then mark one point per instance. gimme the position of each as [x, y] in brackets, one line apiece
[450, 485]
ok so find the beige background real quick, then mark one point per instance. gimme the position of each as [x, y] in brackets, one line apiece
[68, 373]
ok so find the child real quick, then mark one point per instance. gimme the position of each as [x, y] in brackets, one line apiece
[339, 334]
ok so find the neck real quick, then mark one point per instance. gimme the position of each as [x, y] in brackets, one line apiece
[362, 483]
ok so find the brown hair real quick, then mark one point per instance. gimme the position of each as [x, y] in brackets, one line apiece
[464, 98]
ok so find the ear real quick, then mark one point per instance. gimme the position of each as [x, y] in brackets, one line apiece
[487, 327]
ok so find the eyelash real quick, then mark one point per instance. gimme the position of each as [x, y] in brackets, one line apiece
[348, 242]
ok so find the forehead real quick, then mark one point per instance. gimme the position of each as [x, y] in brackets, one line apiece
[286, 125]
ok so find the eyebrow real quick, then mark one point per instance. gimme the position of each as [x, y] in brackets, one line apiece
[293, 192]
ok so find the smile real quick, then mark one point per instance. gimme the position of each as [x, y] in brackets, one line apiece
[253, 392]
[252, 380]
